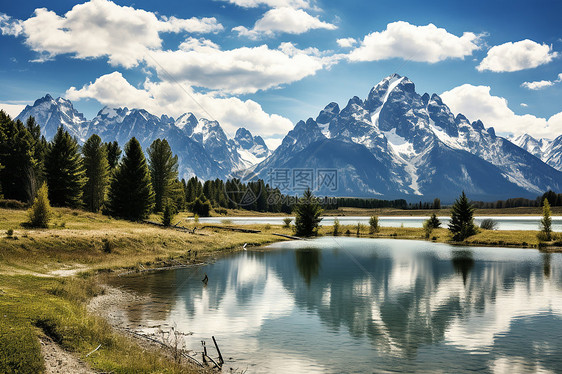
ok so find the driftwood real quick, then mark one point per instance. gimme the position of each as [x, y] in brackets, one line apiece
[250, 231]
[288, 236]
[218, 350]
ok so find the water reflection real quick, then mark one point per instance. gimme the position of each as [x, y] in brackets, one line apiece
[463, 262]
[308, 263]
[358, 304]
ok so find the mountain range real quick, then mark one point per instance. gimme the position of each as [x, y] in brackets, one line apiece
[395, 143]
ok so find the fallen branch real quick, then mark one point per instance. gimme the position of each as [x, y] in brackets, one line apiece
[93, 350]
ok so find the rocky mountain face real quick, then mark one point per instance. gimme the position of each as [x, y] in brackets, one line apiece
[202, 146]
[549, 151]
[397, 143]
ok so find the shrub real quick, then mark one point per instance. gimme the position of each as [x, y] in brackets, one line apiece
[287, 222]
[40, 212]
[359, 228]
[267, 227]
[10, 233]
[336, 230]
[546, 222]
[167, 216]
[374, 224]
[427, 228]
[200, 207]
[488, 224]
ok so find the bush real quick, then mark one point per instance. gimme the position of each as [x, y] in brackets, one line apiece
[336, 231]
[359, 228]
[427, 228]
[287, 222]
[10, 233]
[200, 207]
[488, 224]
[40, 212]
[374, 224]
[267, 227]
[546, 221]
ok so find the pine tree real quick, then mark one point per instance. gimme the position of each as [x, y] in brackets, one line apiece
[65, 171]
[307, 215]
[436, 203]
[113, 154]
[167, 215]
[546, 221]
[374, 224]
[40, 212]
[97, 173]
[434, 222]
[462, 221]
[130, 193]
[16, 157]
[163, 171]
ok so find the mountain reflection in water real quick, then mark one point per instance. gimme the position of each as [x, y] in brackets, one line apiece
[356, 305]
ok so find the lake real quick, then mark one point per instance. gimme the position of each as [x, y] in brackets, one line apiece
[334, 305]
[504, 222]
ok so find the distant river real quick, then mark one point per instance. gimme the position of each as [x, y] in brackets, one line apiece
[504, 222]
[349, 305]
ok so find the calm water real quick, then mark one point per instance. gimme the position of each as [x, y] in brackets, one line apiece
[504, 222]
[366, 305]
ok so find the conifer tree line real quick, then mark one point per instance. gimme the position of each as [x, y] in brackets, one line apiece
[129, 184]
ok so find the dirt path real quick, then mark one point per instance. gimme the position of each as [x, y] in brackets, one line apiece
[57, 360]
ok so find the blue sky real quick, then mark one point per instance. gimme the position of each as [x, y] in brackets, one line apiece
[265, 64]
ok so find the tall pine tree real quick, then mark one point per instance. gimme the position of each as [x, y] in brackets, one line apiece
[462, 221]
[307, 215]
[163, 171]
[130, 193]
[65, 171]
[16, 157]
[97, 173]
[113, 154]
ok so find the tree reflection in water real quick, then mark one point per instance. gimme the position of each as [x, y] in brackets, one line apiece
[308, 263]
[463, 262]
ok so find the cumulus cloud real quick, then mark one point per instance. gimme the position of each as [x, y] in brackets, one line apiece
[10, 26]
[525, 54]
[539, 85]
[418, 43]
[102, 28]
[524, 105]
[283, 20]
[177, 98]
[240, 70]
[476, 102]
[346, 42]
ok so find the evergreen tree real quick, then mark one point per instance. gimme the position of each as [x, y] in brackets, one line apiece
[16, 157]
[201, 208]
[434, 222]
[40, 212]
[462, 221]
[167, 215]
[40, 147]
[436, 203]
[130, 193]
[546, 221]
[374, 224]
[97, 173]
[307, 215]
[163, 171]
[113, 154]
[65, 171]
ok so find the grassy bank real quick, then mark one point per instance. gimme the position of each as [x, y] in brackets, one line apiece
[34, 300]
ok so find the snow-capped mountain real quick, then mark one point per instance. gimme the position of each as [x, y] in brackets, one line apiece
[396, 143]
[202, 146]
[51, 114]
[549, 151]
[393, 144]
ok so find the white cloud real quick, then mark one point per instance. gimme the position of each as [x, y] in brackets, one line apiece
[101, 28]
[346, 42]
[524, 105]
[9, 26]
[539, 85]
[418, 43]
[476, 102]
[12, 109]
[525, 54]
[175, 99]
[271, 3]
[283, 20]
[240, 70]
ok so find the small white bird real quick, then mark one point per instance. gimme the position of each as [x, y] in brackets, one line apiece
[245, 244]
